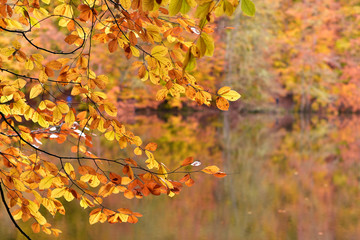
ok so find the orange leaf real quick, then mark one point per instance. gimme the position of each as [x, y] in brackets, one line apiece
[129, 194]
[185, 178]
[189, 182]
[35, 227]
[187, 161]
[222, 103]
[151, 146]
[127, 170]
[220, 174]
[54, 65]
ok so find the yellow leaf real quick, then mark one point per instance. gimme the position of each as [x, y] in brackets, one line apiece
[125, 180]
[231, 95]
[91, 179]
[94, 218]
[211, 169]
[4, 99]
[159, 51]
[175, 6]
[223, 90]
[148, 5]
[38, 58]
[69, 169]
[123, 217]
[138, 151]
[17, 214]
[110, 109]
[8, 90]
[40, 218]
[135, 52]
[101, 81]
[68, 196]
[162, 171]
[84, 202]
[7, 52]
[70, 118]
[49, 205]
[16, 44]
[151, 162]
[137, 141]
[110, 135]
[56, 232]
[43, 77]
[19, 83]
[58, 192]
[166, 183]
[161, 94]
[42, 105]
[63, 107]
[35, 91]
[46, 182]
[57, 116]
[19, 185]
[42, 122]
[29, 64]
[125, 4]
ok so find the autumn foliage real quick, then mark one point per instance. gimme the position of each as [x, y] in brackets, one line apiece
[50, 90]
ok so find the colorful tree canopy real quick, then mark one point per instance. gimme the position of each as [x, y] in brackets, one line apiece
[51, 91]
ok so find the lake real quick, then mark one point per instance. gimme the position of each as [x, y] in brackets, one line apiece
[289, 177]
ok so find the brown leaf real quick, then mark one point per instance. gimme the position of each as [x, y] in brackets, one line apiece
[113, 45]
[70, 39]
[132, 38]
[115, 178]
[131, 161]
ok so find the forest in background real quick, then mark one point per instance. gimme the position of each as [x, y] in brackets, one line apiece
[293, 55]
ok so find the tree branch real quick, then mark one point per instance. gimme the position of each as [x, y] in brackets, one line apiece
[9, 213]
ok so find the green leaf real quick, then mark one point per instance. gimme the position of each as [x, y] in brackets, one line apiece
[206, 45]
[248, 7]
[174, 7]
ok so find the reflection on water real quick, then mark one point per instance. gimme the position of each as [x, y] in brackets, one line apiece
[290, 177]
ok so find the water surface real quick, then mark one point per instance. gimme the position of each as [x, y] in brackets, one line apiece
[289, 177]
